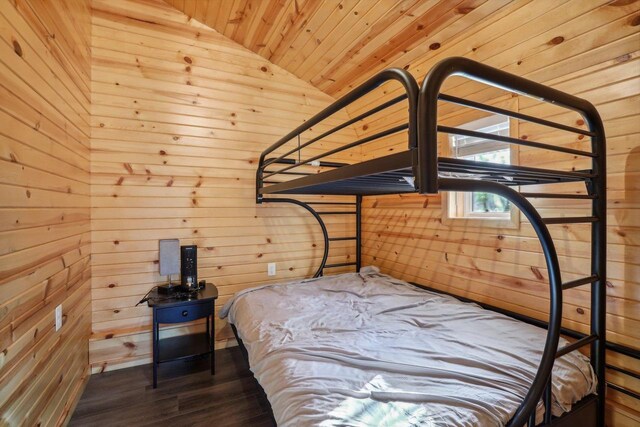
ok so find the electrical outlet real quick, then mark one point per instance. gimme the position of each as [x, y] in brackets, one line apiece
[271, 269]
[58, 317]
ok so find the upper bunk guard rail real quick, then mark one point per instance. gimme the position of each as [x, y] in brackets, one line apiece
[427, 173]
[514, 114]
[509, 140]
[361, 141]
[410, 94]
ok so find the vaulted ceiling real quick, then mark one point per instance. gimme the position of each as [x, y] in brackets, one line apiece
[336, 44]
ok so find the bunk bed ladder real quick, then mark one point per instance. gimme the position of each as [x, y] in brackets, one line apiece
[357, 238]
[595, 192]
[317, 214]
[325, 233]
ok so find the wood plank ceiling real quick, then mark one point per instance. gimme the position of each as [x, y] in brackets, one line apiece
[334, 44]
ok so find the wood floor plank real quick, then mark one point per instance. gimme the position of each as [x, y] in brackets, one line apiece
[186, 395]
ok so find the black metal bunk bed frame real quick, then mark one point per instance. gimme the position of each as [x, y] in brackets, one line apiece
[386, 175]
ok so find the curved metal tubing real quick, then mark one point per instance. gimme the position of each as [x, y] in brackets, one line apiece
[398, 74]
[427, 175]
[555, 285]
[325, 234]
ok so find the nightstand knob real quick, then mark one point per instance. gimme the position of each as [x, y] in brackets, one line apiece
[185, 313]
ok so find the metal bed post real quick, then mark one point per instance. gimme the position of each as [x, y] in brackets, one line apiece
[358, 232]
[598, 187]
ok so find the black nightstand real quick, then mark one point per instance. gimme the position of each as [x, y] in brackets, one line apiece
[168, 309]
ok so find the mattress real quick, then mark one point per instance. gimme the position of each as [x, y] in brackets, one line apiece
[365, 349]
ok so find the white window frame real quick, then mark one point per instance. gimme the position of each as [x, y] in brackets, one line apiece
[457, 205]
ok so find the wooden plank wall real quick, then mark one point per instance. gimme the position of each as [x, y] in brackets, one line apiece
[589, 49]
[44, 208]
[180, 116]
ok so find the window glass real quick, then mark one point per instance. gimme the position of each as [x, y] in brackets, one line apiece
[487, 202]
[475, 148]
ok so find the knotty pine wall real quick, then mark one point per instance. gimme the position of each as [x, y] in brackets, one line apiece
[180, 116]
[589, 49]
[44, 214]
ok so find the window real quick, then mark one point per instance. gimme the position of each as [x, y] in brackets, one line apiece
[486, 207]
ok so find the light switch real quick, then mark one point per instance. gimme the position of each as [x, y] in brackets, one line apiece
[271, 269]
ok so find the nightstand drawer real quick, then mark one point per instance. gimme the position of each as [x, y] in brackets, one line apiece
[184, 313]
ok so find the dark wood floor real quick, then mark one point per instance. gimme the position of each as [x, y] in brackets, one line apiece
[186, 395]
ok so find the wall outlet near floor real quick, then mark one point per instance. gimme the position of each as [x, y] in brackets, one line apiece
[271, 269]
[58, 317]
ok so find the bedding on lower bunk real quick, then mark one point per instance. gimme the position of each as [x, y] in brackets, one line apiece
[365, 349]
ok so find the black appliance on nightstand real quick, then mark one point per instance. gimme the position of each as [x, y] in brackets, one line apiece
[189, 266]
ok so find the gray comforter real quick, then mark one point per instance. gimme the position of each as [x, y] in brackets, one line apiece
[369, 350]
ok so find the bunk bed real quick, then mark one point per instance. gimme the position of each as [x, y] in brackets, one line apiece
[420, 169]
